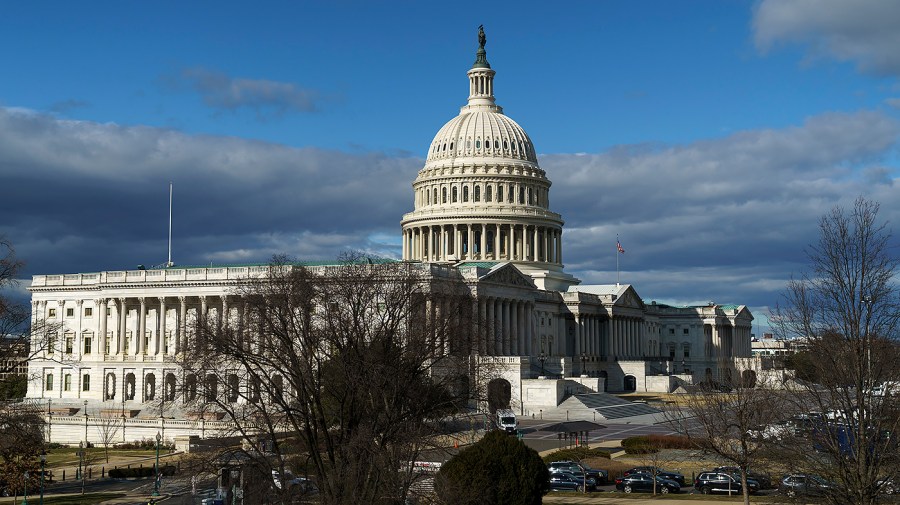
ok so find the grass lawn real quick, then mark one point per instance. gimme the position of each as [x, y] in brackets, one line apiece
[67, 456]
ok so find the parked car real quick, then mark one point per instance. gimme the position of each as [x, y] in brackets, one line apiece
[723, 482]
[764, 479]
[602, 476]
[590, 482]
[659, 472]
[565, 482]
[804, 484]
[643, 481]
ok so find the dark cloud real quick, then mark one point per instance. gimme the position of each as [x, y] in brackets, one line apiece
[722, 219]
[861, 31]
[225, 93]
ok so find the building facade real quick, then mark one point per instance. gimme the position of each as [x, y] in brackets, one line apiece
[481, 208]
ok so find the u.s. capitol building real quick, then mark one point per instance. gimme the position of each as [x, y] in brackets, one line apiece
[482, 206]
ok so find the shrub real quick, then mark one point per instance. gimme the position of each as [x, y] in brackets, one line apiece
[653, 443]
[575, 454]
[499, 469]
[147, 471]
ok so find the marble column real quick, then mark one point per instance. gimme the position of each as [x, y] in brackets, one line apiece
[101, 330]
[161, 333]
[142, 326]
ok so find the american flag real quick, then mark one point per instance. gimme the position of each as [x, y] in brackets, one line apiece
[619, 247]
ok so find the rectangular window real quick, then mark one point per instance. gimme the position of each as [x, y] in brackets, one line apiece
[687, 352]
[67, 382]
[86, 383]
[48, 383]
[108, 311]
[672, 352]
[685, 331]
[87, 345]
[70, 341]
[51, 313]
[671, 331]
[70, 312]
[108, 343]
[88, 312]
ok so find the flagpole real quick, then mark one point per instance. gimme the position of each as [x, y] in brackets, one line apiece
[617, 260]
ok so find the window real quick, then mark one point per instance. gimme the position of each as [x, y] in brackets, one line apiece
[86, 383]
[522, 196]
[500, 193]
[455, 195]
[88, 312]
[48, 382]
[108, 343]
[685, 331]
[671, 331]
[465, 193]
[435, 196]
[687, 351]
[67, 382]
[477, 144]
[672, 351]
[510, 196]
[70, 312]
[477, 193]
[51, 313]
[70, 343]
[108, 311]
[87, 344]
[444, 195]
[146, 342]
[488, 193]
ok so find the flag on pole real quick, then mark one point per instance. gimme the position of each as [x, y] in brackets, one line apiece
[619, 247]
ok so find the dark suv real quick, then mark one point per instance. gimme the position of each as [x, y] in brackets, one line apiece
[722, 482]
[764, 480]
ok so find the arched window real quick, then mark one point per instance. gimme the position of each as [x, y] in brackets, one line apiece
[67, 382]
[530, 197]
[435, 196]
[169, 388]
[278, 387]
[505, 145]
[129, 386]
[487, 193]
[109, 391]
[211, 388]
[427, 197]
[468, 145]
[496, 144]
[149, 387]
[465, 194]
[477, 193]
[233, 388]
[190, 387]
[444, 194]
[510, 195]
[522, 195]
[455, 195]
[478, 144]
[500, 192]
[444, 147]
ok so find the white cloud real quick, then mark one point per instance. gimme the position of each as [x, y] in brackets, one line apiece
[860, 31]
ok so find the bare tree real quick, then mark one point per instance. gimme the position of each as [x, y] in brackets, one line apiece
[846, 309]
[346, 371]
[108, 425]
[728, 423]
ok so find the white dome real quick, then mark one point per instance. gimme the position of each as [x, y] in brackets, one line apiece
[482, 133]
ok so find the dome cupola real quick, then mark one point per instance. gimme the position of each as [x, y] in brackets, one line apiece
[481, 195]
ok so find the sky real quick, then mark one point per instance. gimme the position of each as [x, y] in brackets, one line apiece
[709, 136]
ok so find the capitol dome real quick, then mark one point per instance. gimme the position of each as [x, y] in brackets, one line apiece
[481, 195]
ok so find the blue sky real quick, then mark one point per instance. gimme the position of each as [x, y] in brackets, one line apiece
[709, 135]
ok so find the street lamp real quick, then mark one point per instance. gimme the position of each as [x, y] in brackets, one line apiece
[43, 462]
[156, 486]
[583, 365]
[542, 358]
[85, 424]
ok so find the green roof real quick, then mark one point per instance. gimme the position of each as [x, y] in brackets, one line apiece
[479, 264]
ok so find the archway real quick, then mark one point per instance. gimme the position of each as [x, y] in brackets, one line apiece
[190, 387]
[129, 386]
[169, 394]
[630, 383]
[149, 387]
[499, 394]
[748, 379]
[109, 391]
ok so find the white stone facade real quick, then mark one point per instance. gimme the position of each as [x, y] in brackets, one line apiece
[481, 212]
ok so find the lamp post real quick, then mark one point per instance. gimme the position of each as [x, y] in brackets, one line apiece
[583, 364]
[156, 486]
[49, 419]
[25, 500]
[542, 358]
[43, 462]
[85, 424]
[683, 368]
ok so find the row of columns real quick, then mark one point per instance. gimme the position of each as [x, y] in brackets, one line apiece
[627, 335]
[724, 340]
[116, 325]
[485, 241]
[508, 327]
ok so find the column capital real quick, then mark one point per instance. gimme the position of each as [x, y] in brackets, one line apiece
[162, 299]
[182, 298]
[79, 302]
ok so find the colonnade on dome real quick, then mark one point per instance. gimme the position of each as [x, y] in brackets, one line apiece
[486, 241]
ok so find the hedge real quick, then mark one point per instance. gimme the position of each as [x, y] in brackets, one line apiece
[653, 443]
[575, 454]
[146, 471]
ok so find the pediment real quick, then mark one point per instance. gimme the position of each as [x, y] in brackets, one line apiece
[508, 275]
[629, 298]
